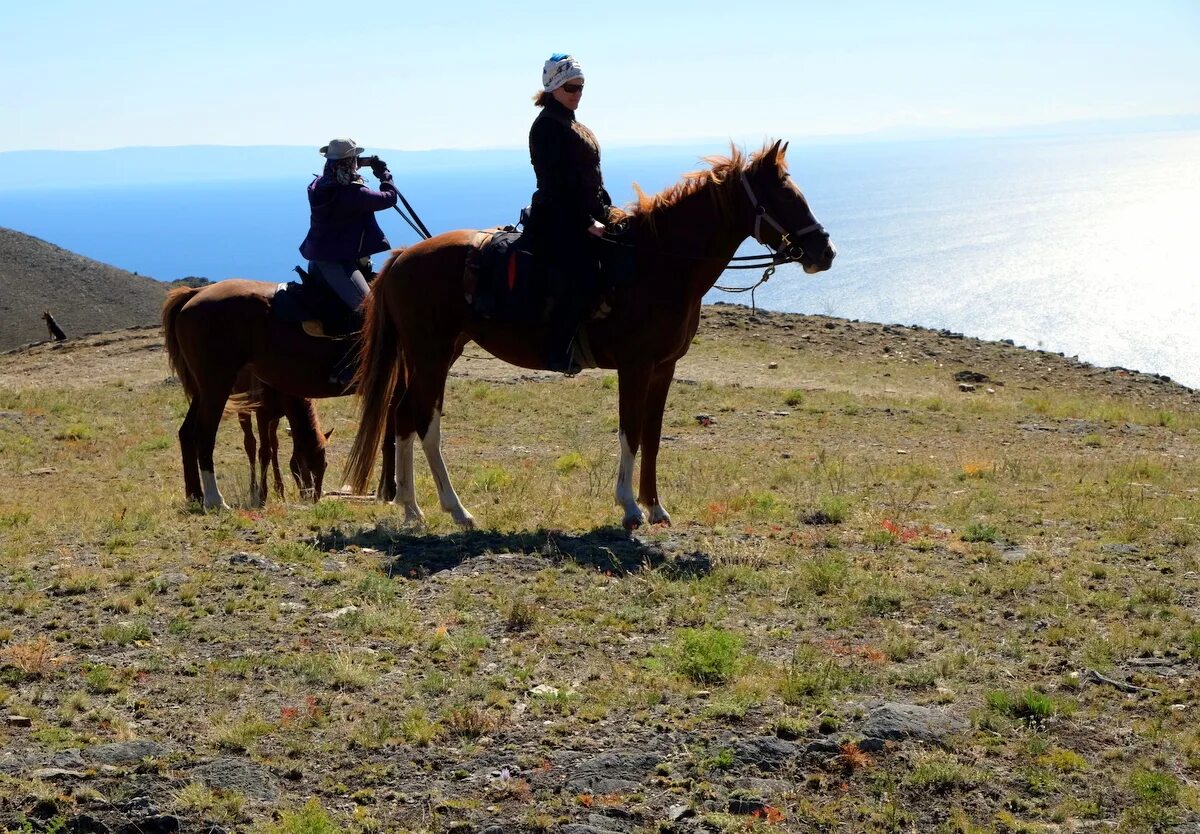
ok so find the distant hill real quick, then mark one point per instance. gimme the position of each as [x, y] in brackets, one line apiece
[84, 296]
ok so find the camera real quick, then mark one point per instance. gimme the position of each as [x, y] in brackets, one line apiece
[364, 161]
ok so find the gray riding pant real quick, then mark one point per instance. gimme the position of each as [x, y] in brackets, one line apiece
[343, 277]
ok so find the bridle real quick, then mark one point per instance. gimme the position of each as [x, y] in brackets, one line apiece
[788, 249]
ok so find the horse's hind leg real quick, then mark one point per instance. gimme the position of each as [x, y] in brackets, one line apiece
[424, 400]
[431, 440]
[208, 419]
[192, 490]
[386, 491]
[403, 423]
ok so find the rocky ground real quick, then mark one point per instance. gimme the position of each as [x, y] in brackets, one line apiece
[917, 582]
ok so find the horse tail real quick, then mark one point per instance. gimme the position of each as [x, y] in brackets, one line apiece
[170, 312]
[378, 367]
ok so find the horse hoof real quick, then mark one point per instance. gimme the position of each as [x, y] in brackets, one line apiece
[413, 517]
[467, 521]
[632, 522]
[660, 516]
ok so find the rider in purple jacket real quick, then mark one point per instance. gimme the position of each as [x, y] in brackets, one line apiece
[343, 233]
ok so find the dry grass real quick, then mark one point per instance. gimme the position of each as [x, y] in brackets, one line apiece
[877, 534]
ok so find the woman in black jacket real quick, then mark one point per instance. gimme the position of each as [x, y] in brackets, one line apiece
[570, 205]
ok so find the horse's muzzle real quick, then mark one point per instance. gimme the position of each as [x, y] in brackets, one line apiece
[823, 261]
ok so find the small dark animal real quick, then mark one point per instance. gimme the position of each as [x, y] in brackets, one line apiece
[56, 332]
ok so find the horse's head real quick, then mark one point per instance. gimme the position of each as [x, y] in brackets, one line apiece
[308, 467]
[779, 215]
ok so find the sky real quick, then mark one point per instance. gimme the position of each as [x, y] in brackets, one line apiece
[83, 75]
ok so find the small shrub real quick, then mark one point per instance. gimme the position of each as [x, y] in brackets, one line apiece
[723, 759]
[126, 632]
[794, 397]
[1030, 705]
[76, 431]
[470, 722]
[218, 805]
[522, 615]
[15, 519]
[707, 655]
[1063, 761]
[377, 588]
[826, 573]
[101, 680]
[239, 736]
[833, 510]
[940, 773]
[880, 539]
[417, 729]
[977, 532]
[569, 463]
[1152, 786]
[34, 658]
[493, 479]
[311, 819]
[882, 602]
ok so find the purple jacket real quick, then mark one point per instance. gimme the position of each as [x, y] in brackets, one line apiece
[343, 225]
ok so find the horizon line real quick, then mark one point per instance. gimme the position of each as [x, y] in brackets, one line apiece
[898, 132]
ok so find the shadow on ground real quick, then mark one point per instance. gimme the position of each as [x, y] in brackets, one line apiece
[608, 549]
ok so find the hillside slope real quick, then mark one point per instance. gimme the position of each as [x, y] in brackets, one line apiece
[85, 296]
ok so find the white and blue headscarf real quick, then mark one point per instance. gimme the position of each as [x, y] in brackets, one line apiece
[560, 69]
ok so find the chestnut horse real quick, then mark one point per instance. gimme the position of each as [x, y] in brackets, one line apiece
[211, 334]
[258, 405]
[418, 320]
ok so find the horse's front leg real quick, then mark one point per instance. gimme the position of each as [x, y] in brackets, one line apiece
[656, 401]
[268, 427]
[632, 386]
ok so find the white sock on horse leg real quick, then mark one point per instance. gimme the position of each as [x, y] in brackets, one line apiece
[432, 443]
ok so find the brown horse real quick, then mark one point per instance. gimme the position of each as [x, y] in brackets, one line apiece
[418, 320]
[211, 334]
[258, 405]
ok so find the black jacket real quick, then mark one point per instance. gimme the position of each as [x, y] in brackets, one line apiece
[566, 159]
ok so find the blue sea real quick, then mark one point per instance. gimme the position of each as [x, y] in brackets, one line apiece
[1075, 244]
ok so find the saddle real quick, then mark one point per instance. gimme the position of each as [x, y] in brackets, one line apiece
[314, 306]
[504, 282]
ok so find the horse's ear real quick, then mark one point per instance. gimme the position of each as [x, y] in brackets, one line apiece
[783, 150]
[328, 434]
[771, 157]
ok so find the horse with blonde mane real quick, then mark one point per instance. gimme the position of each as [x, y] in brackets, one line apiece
[418, 320]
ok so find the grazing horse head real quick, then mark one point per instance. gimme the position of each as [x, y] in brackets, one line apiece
[309, 462]
[779, 215]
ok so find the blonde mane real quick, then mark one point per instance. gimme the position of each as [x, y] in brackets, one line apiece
[719, 180]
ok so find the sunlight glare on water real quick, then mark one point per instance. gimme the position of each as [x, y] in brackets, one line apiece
[1079, 247]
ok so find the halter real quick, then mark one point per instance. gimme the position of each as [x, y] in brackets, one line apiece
[786, 248]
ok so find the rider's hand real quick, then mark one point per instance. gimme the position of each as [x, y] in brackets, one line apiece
[379, 168]
[597, 228]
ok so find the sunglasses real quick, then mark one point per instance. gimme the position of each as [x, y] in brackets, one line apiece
[572, 88]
